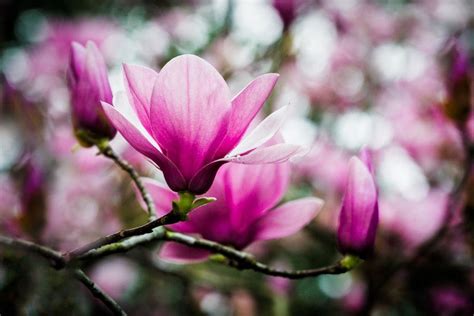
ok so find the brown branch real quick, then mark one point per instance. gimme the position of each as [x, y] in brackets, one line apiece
[242, 260]
[170, 218]
[55, 258]
[58, 261]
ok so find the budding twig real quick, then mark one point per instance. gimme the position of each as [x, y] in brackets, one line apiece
[242, 260]
[170, 218]
[108, 152]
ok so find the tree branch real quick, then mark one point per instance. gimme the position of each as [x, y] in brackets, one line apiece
[108, 152]
[56, 259]
[242, 260]
[98, 293]
[170, 218]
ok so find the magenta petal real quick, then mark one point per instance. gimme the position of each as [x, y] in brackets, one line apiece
[358, 218]
[140, 142]
[248, 194]
[271, 154]
[96, 71]
[77, 61]
[190, 112]
[139, 82]
[178, 253]
[287, 219]
[203, 180]
[245, 106]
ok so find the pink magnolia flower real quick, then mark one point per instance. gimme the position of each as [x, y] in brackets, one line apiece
[358, 218]
[287, 9]
[89, 86]
[188, 124]
[245, 210]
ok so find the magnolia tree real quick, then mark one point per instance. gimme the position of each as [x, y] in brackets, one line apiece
[156, 160]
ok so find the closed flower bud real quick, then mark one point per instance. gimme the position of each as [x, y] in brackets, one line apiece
[457, 105]
[358, 218]
[89, 85]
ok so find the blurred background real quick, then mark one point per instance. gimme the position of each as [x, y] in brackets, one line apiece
[377, 73]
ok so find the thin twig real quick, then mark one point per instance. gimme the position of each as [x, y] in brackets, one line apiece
[108, 152]
[58, 261]
[98, 293]
[56, 258]
[123, 246]
[170, 218]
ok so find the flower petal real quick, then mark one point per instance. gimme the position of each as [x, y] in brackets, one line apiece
[247, 193]
[278, 153]
[190, 111]
[144, 144]
[139, 83]
[271, 154]
[95, 71]
[178, 253]
[358, 218]
[245, 106]
[262, 133]
[287, 219]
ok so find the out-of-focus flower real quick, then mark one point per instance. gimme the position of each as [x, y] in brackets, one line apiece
[359, 214]
[448, 300]
[115, 276]
[89, 85]
[457, 105]
[33, 197]
[287, 10]
[243, 213]
[186, 110]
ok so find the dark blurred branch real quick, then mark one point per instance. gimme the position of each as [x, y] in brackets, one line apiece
[108, 152]
[455, 202]
[56, 258]
[58, 261]
[98, 293]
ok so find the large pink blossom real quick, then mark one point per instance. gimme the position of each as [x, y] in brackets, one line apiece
[189, 125]
[245, 210]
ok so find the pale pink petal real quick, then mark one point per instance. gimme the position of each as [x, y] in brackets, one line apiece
[287, 219]
[271, 154]
[138, 140]
[178, 253]
[266, 155]
[139, 82]
[262, 133]
[190, 111]
[245, 106]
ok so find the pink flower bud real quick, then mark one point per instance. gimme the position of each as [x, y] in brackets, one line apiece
[89, 85]
[359, 215]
